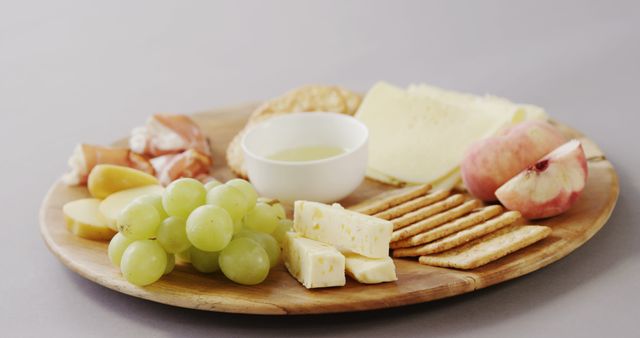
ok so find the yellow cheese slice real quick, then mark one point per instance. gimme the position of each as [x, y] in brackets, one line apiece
[521, 112]
[414, 138]
[449, 181]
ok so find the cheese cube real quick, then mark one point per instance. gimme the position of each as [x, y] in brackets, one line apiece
[370, 270]
[312, 263]
[347, 230]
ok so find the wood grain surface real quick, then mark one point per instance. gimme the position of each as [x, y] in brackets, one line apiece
[281, 294]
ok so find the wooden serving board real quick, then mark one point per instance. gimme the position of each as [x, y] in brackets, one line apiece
[281, 294]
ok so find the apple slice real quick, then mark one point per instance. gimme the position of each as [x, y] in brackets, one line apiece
[84, 220]
[105, 179]
[111, 206]
[549, 187]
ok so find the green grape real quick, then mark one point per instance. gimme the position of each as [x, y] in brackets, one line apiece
[156, 201]
[117, 246]
[204, 261]
[244, 261]
[209, 228]
[212, 184]
[261, 218]
[171, 263]
[237, 226]
[267, 200]
[139, 221]
[172, 235]
[230, 199]
[246, 189]
[268, 243]
[185, 256]
[182, 196]
[143, 262]
[279, 210]
[277, 206]
[284, 225]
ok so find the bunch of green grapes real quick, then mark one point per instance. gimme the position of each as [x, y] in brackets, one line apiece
[214, 226]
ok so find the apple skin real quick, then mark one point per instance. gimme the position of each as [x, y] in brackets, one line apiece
[549, 187]
[490, 162]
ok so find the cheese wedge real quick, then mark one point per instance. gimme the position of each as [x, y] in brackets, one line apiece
[415, 138]
[345, 229]
[312, 263]
[370, 270]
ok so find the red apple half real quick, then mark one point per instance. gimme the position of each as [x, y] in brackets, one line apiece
[549, 187]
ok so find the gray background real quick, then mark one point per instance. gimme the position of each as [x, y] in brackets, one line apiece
[74, 71]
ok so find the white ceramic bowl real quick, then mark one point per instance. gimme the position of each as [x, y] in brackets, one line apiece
[326, 180]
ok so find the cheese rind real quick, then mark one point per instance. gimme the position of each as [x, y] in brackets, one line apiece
[347, 230]
[314, 264]
[370, 270]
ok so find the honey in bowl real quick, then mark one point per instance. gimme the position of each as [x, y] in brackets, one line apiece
[306, 153]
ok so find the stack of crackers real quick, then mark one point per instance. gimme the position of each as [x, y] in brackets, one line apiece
[448, 229]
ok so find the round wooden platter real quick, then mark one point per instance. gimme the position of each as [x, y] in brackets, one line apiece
[281, 294]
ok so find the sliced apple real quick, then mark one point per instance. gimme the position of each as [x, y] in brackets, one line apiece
[106, 179]
[549, 187]
[84, 219]
[111, 206]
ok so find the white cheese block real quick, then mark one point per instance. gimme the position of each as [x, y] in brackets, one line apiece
[314, 264]
[417, 139]
[370, 270]
[347, 230]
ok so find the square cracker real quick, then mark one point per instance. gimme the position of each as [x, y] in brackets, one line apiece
[428, 211]
[385, 201]
[435, 220]
[478, 216]
[461, 237]
[413, 204]
[489, 248]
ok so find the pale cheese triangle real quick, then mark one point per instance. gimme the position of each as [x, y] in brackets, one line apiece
[418, 139]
